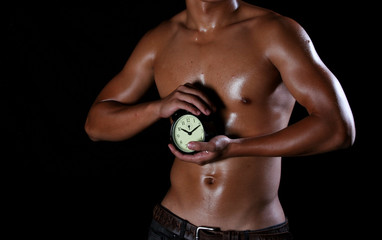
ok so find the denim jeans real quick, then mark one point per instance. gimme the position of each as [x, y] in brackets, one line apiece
[159, 232]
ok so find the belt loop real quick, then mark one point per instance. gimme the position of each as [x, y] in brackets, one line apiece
[246, 235]
[182, 229]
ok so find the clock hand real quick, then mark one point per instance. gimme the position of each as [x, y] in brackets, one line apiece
[194, 129]
[189, 133]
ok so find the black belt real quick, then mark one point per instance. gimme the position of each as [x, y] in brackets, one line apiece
[188, 231]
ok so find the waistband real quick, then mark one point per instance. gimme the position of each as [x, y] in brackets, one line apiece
[189, 231]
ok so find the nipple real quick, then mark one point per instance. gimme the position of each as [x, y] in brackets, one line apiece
[245, 100]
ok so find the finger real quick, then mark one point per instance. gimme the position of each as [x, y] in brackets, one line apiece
[195, 101]
[198, 158]
[188, 107]
[179, 155]
[201, 96]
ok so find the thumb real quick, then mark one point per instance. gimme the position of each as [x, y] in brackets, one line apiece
[201, 146]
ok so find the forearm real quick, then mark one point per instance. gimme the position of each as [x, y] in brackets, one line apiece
[309, 136]
[115, 121]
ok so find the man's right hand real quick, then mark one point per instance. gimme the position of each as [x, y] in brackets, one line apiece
[186, 97]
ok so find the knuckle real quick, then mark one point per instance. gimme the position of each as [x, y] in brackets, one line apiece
[178, 95]
[181, 88]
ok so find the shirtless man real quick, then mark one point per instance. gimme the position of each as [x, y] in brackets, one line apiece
[258, 63]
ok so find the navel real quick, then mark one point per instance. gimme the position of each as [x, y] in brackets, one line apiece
[209, 180]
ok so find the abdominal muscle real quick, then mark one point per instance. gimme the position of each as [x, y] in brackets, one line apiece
[232, 194]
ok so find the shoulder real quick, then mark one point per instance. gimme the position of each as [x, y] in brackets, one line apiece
[155, 39]
[270, 23]
[278, 28]
[276, 33]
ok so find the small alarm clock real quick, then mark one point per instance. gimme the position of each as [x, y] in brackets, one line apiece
[187, 127]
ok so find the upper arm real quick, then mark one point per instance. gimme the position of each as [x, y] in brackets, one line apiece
[302, 71]
[135, 77]
[307, 78]
[292, 52]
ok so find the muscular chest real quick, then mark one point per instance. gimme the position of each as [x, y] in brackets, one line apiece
[240, 80]
[229, 62]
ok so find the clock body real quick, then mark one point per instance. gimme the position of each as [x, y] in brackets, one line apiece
[186, 128]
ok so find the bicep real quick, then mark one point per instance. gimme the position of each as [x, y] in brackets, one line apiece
[134, 79]
[311, 83]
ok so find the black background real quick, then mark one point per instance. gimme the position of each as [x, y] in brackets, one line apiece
[59, 57]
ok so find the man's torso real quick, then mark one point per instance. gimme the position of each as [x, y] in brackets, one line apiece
[237, 193]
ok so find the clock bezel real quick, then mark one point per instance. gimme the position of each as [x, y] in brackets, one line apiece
[176, 118]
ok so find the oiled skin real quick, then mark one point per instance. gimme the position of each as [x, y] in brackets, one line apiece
[258, 64]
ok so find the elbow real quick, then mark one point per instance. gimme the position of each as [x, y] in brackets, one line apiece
[345, 135]
[90, 131]
[344, 140]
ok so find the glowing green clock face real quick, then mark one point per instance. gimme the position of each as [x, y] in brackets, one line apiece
[185, 129]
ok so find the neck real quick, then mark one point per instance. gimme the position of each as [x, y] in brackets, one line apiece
[207, 15]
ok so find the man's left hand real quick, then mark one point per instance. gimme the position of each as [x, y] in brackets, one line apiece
[206, 152]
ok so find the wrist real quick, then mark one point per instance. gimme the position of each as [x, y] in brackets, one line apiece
[233, 148]
[156, 109]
